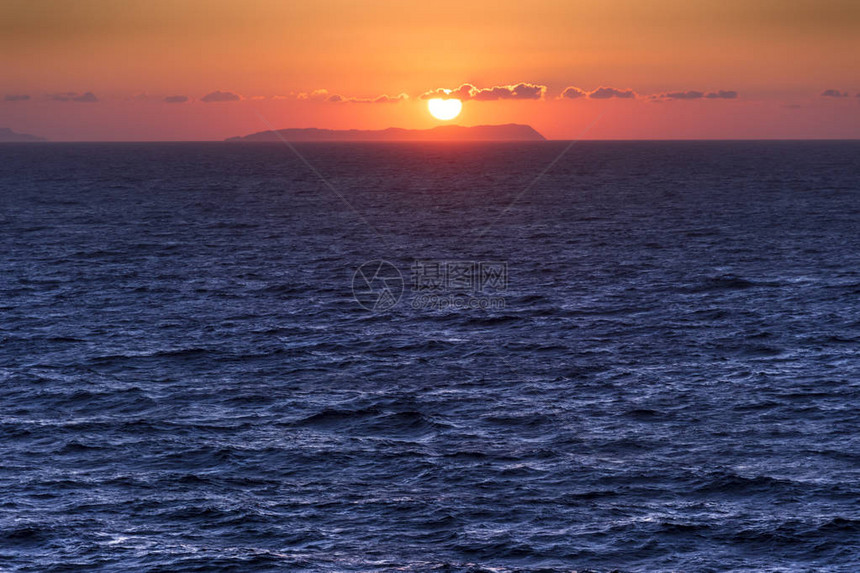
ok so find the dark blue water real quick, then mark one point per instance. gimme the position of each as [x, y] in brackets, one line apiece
[671, 384]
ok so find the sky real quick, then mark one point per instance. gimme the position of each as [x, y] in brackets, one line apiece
[163, 70]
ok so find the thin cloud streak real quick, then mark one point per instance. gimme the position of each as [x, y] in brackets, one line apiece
[87, 97]
[695, 94]
[323, 95]
[605, 92]
[573, 92]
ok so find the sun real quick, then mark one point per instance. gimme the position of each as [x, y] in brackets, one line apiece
[444, 109]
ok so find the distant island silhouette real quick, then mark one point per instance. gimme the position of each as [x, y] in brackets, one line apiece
[507, 132]
[9, 136]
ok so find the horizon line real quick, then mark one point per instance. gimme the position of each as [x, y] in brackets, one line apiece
[545, 140]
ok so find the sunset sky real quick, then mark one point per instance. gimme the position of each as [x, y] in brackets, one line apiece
[200, 70]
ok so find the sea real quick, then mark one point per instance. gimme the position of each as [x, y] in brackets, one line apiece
[443, 357]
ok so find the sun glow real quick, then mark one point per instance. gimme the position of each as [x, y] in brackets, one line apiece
[444, 109]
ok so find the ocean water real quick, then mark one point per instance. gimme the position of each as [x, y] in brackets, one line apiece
[627, 356]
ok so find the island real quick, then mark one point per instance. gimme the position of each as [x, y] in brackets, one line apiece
[507, 132]
[9, 136]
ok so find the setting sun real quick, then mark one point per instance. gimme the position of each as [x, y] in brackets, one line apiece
[444, 109]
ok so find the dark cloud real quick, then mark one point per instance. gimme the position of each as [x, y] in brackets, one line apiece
[607, 93]
[218, 96]
[833, 93]
[176, 99]
[691, 94]
[88, 97]
[470, 92]
[604, 92]
[321, 95]
[722, 94]
[573, 93]
[695, 94]
[463, 92]
[518, 91]
[16, 97]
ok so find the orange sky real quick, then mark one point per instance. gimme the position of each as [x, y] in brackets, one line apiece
[778, 56]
